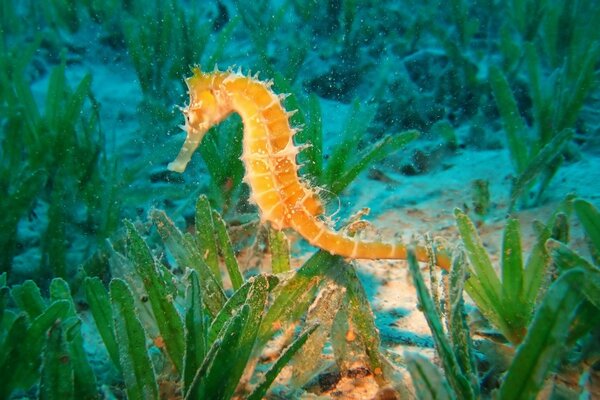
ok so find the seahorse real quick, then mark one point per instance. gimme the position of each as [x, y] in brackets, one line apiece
[269, 158]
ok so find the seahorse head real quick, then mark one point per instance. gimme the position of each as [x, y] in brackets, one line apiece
[205, 109]
[207, 105]
[200, 114]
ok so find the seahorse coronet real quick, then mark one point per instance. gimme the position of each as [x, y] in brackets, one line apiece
[283, 198]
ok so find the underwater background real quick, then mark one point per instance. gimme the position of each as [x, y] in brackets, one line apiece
[472, 126]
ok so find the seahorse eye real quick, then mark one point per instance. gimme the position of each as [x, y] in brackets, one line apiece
[194, 117]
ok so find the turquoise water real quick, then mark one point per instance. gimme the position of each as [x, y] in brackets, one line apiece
[412, 109]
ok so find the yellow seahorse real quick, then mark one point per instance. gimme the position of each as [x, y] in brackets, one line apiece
[269, 157]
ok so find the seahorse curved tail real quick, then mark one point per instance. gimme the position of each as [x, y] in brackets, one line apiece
[319, 234]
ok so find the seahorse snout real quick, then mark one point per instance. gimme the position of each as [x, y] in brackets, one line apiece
[195, 133]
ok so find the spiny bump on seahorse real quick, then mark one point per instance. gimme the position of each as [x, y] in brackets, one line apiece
[269, 157]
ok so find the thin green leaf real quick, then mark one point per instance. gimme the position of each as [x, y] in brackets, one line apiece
[508, 314]
[209, 150]
[196, 332]
[187, 255]
[566, 259]
[32, 119]
[539, 163]
[29, 298]
[545, 338]
[323, 312]
[57, 89]
[26, 190]
[13, 355]
[458, 381]
[588, 318]
[57, 378]
[427, 378]
[256, 301]
[312, 136]
[344, 351]
[484, 304]
[581, 85]
[590, 219]
[4, 295]
[235, 301]
[446, 131]
[483, 271]
[32, 344]
[535, 271]
[205, 234]
[60, 290]
[533, 64]
[512, 263]
[99, 303]
[361, 316]
[84, 378]
[560, 227]
[217, 383]
[295, 294]
[591, 288]
[280, 251]
[232, 152]
[512, 269]
[221, 148]
[76, 100]
[261, 389]
[192, 388]
[138, 374]
[375, 153]
[514, 125]
[228, 310]
[546, 176]
[85, 381]
[457, 322]
[167, 318]
[227, 252]
[356, 125]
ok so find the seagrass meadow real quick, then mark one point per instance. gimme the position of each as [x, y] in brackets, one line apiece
[299, 199]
